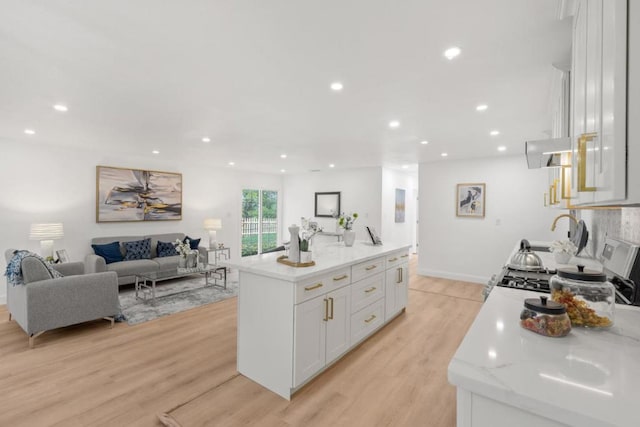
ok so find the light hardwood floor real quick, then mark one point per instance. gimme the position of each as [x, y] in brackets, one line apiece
[184, 365]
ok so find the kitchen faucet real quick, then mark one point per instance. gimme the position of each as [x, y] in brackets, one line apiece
[571, 217]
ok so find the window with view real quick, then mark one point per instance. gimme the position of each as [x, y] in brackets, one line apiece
[259, 221]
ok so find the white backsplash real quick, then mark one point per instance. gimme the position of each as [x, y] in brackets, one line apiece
[621, 224]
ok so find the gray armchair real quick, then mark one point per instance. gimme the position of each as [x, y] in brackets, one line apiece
[43, 303]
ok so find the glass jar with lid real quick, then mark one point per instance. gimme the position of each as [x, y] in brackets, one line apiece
[587, 295]
[544, 317]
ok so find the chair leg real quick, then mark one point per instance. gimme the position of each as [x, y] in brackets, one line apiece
[9, 316]
[111, 319]
[32, 338]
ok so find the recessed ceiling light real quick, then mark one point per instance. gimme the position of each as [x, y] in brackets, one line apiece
[155, 152]
[282, 170]
[405, 166]
[394, 124]
[332, 165]
[444, 154]
[494, 132]
[232, 163]
[482, 107]
[452, 52]
[60, 107]
[336, 86]
[30, 131]
[283, 156]
[425, 142]
[206, 139]
[502, 148]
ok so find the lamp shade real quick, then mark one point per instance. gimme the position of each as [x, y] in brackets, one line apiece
[51, 231]
[212, 224]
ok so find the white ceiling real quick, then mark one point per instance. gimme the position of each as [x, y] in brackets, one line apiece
[254, 76]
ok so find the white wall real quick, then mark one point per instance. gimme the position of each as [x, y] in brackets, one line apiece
[45, 184]
[404, 232]
[360, 192]
[473, 249]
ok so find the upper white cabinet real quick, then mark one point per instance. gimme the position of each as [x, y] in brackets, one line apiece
[598, 128]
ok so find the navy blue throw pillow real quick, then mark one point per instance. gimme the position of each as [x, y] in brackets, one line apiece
[193, 243]
[110, 252]
[166, 249]
[139, 249]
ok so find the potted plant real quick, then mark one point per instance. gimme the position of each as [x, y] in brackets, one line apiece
[563, 250]
[309, 229]
[346, 222]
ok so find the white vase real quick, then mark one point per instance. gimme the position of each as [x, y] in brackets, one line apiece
[561, 257]
[294, 245]
[182, 262]
[349, 237]
[192, 260]
[305, 256]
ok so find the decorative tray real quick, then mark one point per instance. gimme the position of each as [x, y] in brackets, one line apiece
[283, 260]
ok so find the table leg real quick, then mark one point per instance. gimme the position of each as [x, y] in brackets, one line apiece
[153, 292]
[137, 286]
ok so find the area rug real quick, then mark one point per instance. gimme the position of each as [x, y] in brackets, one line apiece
[174, 296]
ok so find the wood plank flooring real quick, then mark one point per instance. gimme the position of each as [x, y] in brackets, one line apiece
[185, 365]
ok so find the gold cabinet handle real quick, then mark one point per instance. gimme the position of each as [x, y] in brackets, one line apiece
[582, 161]
[394, 259]
[370, 319]
[399, 270]
[326, 309]
[371, 289]
[331, 315]
[310, 288]
[337, 279]
[404, 256]
[565, 182]
[371, 267]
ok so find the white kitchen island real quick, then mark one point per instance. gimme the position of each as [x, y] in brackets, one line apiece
[295, 322]
[508, 376]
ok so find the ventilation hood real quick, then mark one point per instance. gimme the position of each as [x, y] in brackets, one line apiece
[546, 153]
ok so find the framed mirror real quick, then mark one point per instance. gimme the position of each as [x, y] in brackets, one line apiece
[327, 204]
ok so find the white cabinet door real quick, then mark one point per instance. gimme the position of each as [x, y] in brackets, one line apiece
[310, 338]
[396, 290]
[338, 323]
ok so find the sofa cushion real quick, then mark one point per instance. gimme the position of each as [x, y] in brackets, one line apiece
[133, 267]
[193, 243]
[110, 251]
[138, 249]
[167, 263]
[166, 249]
[165, 237]
[121, 239]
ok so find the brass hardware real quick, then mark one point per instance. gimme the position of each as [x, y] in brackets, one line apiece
[571, 217]
[555, 192]
[371, 267]
[371, 289]
[582, 162]
[326, 310]
[401, 275]
[399, 270]
[344, 276]
[393, 259]
[370, 319]
[551, 195]
[331, 315]
[404, 256]
[565, 183]
[316, 286]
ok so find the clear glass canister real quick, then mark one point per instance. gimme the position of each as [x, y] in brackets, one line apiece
[544, 317]
[587, 295]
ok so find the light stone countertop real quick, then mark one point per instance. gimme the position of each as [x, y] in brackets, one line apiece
[329, 256]
[588, 378]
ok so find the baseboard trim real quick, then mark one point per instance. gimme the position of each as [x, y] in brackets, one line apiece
[452, 276]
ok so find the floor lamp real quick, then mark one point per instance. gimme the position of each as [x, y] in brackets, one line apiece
[46, 233]
[212, 224]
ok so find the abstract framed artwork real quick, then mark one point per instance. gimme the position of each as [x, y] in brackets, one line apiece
[400, 204]
[470, 200]
[125, 195]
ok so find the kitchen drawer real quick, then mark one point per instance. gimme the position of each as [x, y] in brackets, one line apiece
[367, 291]
[321, 284]
[397, 258]
[367, 320]
[366, 269]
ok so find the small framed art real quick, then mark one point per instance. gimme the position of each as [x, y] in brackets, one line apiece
[62, 255]
[470, 200]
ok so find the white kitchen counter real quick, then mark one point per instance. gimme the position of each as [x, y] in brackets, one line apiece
[589, 378]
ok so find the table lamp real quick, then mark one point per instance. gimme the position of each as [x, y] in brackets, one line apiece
[212, 224]
[46, 233]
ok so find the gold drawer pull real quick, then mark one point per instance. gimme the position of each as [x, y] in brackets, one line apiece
[371, 289]
[582, 162]
[316, 286]
[336, 279]
[393, 259]
[404, 256]
[371, 267]
[370, 319]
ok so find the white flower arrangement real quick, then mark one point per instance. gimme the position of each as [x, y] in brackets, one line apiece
[563, 246]
[183, 248]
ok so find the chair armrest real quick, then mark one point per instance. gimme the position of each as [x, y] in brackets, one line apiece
[94, 264]
[70, 268]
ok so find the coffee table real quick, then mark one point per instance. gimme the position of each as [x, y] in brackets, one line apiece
[208, 271]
